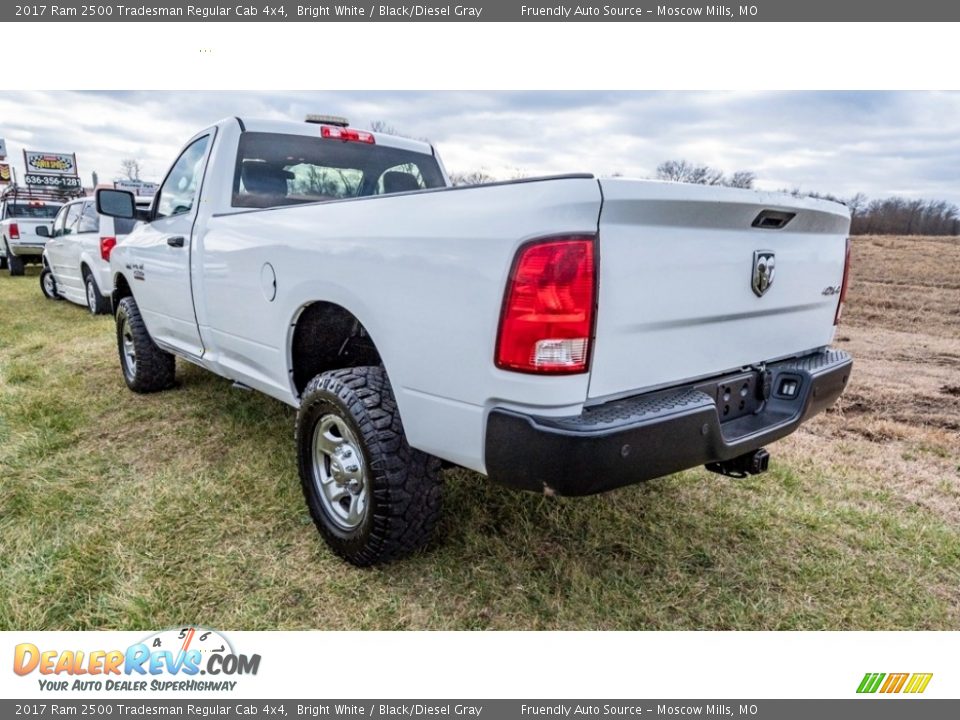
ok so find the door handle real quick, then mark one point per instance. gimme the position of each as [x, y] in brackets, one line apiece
[175, 241]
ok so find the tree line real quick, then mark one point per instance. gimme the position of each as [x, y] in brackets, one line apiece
[896, 215]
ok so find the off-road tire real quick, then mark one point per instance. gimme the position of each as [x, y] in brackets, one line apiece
[405, 498]
[155, 368]
[99, 305]
[45, 275]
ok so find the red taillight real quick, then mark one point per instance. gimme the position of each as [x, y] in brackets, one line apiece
[107, 244]
[547, 320]
[346, 134]
[14, 231]
[843, 286]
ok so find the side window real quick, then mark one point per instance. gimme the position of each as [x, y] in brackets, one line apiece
[89, 220]
[400, 178]
[179, 190]
[72, 219]
[58, 222]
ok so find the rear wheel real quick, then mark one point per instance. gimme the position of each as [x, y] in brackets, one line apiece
[96, 303]
[146, 368]
[48, 284]
[373, 498]
[15, 265]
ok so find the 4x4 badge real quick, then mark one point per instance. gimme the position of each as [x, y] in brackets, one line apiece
[764, 265]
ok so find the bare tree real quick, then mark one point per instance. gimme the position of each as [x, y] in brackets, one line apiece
[742, 179]
[688, 172]
[382, 126]
[474, 177]
[130, 168]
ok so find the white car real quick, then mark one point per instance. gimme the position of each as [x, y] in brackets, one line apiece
[564, 335]
[76, 259]
[24, 215]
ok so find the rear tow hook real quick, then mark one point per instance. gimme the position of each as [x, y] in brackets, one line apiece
[751, 463]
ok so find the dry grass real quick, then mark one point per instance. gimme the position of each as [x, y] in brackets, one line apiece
[903, 403]
[121, 511]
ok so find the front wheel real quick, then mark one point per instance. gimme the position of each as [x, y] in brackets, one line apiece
[48, 284]
[373, 498]
[146, 368]
[96, 302]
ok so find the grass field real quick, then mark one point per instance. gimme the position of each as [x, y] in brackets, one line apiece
[132, 512]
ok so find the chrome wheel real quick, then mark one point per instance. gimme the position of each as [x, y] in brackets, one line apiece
[339, 474]
[48, 286]
[91, 296]
[128, 349]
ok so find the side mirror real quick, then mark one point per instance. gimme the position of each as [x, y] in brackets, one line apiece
[116, 203]
[43, 231]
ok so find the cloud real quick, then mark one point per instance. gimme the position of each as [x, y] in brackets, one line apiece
[879, 143]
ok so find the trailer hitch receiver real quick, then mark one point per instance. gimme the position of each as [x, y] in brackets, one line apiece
[751, 463]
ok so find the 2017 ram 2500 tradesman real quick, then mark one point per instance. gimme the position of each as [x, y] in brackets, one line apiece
[565, 335]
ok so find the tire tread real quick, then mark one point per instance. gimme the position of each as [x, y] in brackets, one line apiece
[156, 368]
[407, 482]
[102, 303]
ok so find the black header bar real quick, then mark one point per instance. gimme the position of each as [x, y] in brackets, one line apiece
[481, 11]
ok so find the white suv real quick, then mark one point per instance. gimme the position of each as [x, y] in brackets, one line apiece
[76, 260]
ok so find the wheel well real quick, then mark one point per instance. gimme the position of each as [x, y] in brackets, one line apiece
[84, 270]
[328, 337]
[121, 289]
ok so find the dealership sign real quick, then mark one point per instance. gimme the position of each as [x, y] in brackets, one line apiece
[137, 187]
[44, 163]
[4, 173]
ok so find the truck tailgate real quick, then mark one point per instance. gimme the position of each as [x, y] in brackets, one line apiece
[27, 230]
[676, 299]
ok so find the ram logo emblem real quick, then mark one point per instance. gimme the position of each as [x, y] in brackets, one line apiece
[764, 265]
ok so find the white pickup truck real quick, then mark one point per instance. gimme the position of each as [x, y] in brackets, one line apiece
[22, 214]
[565, 335]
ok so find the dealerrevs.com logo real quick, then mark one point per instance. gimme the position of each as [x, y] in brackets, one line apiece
[180, 659]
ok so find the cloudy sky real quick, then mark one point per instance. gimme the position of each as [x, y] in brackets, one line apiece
[878, 143]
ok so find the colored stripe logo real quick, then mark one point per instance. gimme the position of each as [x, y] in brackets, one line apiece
[912, 683]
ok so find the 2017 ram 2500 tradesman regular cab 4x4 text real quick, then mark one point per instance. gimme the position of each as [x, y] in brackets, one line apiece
[565, 335]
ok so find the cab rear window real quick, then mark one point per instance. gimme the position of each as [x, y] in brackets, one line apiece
[25, 210]
[275, 169]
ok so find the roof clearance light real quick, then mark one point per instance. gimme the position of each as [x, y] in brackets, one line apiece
[346, 134]
[327, 120]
